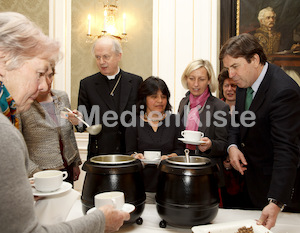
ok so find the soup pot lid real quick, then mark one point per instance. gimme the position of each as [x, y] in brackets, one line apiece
[194, 160]
[112, 159]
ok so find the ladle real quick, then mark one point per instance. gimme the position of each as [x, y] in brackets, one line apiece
[187, 156]
[93, 130]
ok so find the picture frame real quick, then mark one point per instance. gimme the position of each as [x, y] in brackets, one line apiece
[287, 18]
[240, 16]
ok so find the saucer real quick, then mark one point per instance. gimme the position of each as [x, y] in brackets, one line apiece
[147, 161]
[126, 208]
[196, 143]
[66, 186]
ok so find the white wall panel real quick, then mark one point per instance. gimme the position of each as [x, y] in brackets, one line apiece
[184, 49]
[183, 30]
[203, 28]
[164, 41]
[155, 38]
[60, 29]
[215, 36]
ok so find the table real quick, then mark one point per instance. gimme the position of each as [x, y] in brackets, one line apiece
[286, 222]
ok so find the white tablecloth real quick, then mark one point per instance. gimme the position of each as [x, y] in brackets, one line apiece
[286, 222]
[56, 208]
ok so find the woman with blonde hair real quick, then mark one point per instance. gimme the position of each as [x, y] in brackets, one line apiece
[201, 111]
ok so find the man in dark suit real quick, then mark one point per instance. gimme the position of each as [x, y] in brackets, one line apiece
[105, 96]
[268, 151]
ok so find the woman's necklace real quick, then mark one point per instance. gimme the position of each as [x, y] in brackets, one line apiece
[156, 119]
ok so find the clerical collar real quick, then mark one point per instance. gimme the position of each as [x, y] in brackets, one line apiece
[113, 76]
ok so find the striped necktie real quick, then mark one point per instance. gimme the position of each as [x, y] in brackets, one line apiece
[249, 96]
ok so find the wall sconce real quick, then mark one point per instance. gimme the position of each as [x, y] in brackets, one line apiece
[109, 23]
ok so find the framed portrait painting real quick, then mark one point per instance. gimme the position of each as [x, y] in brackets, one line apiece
[286, 21]
[275, 23]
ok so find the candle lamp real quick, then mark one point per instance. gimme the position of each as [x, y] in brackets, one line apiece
[109, 23]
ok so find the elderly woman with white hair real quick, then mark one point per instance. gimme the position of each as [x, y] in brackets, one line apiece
[201, 111]
[25, 55]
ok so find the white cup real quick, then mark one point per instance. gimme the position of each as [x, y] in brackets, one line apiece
[48, 180]
[191, 135]
[152, 155]
[114, 198]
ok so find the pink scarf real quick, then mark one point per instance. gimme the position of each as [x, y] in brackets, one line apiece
[193, 119]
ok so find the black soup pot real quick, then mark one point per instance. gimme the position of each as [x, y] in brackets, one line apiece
[187, 193]
[114, 173]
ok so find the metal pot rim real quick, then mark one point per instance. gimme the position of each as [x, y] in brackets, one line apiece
[112, 159]
[194, 160]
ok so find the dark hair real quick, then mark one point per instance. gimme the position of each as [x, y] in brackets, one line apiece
[150, 86]
[243, 45]
[223, 75]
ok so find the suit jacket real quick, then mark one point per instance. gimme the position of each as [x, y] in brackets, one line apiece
[94, 96]
[217, 135]
[271, 146]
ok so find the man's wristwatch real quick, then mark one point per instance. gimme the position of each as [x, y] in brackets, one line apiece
[278, 203]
